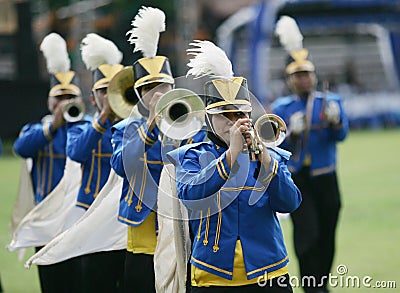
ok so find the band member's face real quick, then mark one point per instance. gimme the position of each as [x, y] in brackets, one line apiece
[302, 82]
[100, 96]
[222, 123]
[52, 102]
[147, 91]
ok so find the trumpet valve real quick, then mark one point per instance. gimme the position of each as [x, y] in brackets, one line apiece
[255, 146]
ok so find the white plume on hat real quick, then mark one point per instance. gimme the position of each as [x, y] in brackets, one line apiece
[54, 49]
[96, 51]
[147, 26]
[209, 60]
[289, 34]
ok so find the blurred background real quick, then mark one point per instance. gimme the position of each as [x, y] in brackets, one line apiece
[354, 44]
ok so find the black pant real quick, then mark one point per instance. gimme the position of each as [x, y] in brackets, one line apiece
[276, 285]
[188, 276]
[62, 277]
[103, 272]
[314, 225]
[139, 273]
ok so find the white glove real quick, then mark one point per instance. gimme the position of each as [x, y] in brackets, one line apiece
[297, 123]
[332, 112]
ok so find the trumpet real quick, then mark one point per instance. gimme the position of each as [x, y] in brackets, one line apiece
[74, 111]
[269, 130]
[180, 114]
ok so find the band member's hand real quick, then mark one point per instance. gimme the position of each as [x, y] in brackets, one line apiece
[151, 121]
[264, 157]
[239, 136]
[106, 112]
[332, 112]
[58, 115]
[297, 123]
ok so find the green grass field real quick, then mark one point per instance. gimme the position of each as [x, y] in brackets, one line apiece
[368, 232]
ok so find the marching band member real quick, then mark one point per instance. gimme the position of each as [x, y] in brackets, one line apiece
[238, 241]
[317, 122]
[45, 142]
[137, 155]
[89, 143]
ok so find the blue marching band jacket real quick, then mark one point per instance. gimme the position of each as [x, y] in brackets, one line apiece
[226, 205]
[47, 150]
[138, 158]
[315, 147]
[89, 143]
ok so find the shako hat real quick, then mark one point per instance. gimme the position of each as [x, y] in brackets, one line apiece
[291, 39]
[63, 81]
[147, 26]
[101, 56]
[224, 92]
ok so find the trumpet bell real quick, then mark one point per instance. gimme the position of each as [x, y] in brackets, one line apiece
[120, 93]
[271, 130]
[180, 114]
[74, 111]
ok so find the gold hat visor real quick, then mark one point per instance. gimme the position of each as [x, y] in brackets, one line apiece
[229, 107]
[64, 89]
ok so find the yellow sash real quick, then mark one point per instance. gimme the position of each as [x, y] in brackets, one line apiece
[142, 238]
[201, 278]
